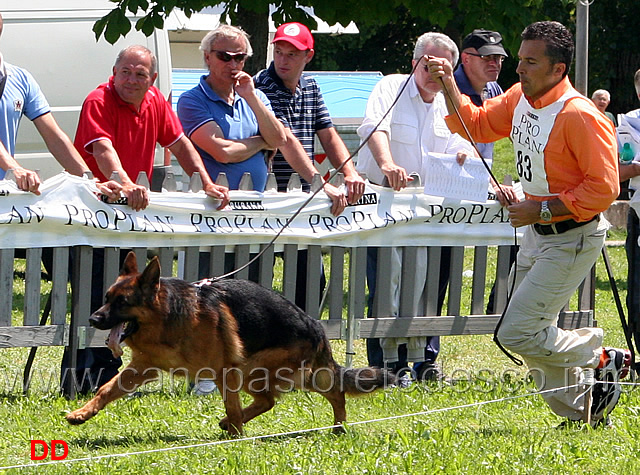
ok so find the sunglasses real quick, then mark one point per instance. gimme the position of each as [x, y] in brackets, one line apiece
[498, 58]
[226, 56]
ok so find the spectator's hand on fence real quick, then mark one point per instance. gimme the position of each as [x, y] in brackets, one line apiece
[337, 197]
[461, 157]
[111, 189]
[137, 196]
[505, 194]
[355, 188]
[218, 192]
[27, 180]
[396, 175]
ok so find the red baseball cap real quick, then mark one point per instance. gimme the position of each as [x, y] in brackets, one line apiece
[295, 33]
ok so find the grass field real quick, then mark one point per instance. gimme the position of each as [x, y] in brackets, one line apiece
[486, 419]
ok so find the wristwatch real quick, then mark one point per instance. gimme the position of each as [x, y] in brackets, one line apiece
[545, 212]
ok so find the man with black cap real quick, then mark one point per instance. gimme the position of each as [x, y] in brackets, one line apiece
[480, 65]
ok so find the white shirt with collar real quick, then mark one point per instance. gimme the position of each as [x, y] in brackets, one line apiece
[414, 127]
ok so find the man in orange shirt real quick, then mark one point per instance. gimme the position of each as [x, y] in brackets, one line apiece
[566, 157]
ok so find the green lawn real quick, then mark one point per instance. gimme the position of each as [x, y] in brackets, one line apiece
[487, 422]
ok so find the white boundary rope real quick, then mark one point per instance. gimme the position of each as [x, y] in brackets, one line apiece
[290, 433]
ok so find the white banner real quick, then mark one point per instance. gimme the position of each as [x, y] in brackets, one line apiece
[69, 212]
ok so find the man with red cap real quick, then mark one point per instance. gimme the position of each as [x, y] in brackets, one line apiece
[297, 101]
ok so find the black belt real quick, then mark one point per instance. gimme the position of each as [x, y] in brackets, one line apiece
[562, 226]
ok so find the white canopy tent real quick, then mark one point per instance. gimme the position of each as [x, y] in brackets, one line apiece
[186, 33]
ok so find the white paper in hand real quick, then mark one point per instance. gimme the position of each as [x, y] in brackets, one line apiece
[444, 177]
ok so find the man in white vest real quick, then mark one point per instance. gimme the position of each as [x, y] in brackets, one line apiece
[566, 157]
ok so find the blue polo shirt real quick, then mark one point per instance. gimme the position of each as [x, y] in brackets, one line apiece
[21, 96]
[200, 105]
[492, 89]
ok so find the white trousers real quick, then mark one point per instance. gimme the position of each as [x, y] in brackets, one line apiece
[548, 271]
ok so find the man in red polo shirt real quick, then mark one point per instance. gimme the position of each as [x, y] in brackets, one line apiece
[120, 123]
[122, 120]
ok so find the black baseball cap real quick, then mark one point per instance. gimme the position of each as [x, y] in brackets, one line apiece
[485, 42]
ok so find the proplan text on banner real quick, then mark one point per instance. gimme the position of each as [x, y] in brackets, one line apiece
[69, 211]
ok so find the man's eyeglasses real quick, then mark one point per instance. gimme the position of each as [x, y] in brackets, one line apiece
[498, 58]
[227, 56]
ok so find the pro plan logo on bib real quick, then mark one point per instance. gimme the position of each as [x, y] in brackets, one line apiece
[530, 131]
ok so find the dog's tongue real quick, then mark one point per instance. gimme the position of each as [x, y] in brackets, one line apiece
[113, 341]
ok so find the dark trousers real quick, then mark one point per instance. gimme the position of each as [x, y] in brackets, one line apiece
[301, 279]
[491, 305]
[94, 366]
[633, 274]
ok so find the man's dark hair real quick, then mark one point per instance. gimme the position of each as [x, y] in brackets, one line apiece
[558, 39]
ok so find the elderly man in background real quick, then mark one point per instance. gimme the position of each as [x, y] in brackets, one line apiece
[397, 148]
[122, 121]
[480, 65]
[476, 75]
[229, 121]
[601, 98]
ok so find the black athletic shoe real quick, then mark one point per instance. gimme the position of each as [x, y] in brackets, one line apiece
[618, 363]
[607, 390]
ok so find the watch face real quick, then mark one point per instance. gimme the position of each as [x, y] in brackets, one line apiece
[545, 212]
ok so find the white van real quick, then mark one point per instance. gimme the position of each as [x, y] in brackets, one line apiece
[54, 41]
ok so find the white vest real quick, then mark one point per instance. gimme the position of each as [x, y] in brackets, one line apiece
[530, 130]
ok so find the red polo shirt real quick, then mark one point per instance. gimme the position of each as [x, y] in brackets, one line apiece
[133, 134]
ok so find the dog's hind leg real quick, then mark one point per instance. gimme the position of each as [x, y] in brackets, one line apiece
[230, 389]
[326, 381]
[262, 402]
[125, 382]
[337, 401]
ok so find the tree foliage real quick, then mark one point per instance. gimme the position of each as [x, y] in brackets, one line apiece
[508, 16]
[388, 30]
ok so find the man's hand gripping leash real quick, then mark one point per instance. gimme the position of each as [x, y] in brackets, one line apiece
[502, 196]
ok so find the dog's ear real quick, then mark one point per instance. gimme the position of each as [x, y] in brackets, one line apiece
[130, 265]
[150, 277]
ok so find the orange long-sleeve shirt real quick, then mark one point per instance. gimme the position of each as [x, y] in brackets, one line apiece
[580, 158]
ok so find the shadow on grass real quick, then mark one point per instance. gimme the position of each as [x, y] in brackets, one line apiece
[118, 440]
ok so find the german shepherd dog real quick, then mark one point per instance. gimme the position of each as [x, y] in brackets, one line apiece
[245, 336]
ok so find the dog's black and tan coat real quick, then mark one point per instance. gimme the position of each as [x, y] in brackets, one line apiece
[244, 336]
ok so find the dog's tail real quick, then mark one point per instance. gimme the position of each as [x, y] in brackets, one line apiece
[328, 375]
[358, 381]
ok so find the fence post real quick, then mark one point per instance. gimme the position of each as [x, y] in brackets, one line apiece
[80, 310]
